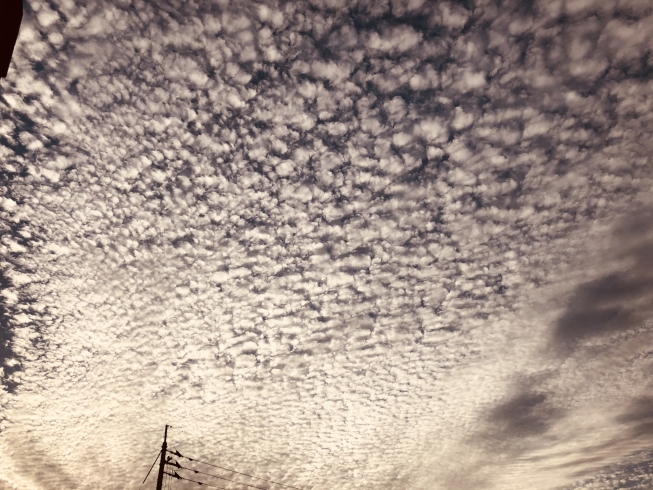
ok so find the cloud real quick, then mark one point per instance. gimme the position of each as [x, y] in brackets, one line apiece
[318, 232]
[522, 416]
[634, 473]
[619, 300]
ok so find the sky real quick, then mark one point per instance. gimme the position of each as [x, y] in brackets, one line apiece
[353, 244]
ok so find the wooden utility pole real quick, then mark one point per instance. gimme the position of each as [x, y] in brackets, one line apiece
[162, 461]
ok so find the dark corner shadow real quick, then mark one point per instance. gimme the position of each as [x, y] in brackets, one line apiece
[618, 301]
[11, 15]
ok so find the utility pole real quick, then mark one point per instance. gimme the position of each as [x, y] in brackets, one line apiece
[162, 461]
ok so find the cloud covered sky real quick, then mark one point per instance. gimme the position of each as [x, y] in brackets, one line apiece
[337, 244]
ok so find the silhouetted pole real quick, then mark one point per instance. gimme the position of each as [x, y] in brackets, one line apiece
[11, 14]
[162, 462]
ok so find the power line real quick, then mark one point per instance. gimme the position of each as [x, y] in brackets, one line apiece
[230, 447]
[194, 481]
[169, 482]
[177, 465]
[178, 454]
[148, 473]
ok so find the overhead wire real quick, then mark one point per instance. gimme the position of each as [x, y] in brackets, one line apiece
[214, 476]
[148, 473]
[230, 447]
[178, 477]
[178, 454]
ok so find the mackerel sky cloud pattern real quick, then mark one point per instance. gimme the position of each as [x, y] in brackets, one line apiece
[336, 244]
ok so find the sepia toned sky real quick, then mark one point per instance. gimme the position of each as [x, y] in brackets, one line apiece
[352, 244]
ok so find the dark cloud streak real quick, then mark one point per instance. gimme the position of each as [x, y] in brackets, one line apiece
[525, 415]
[620, 300]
